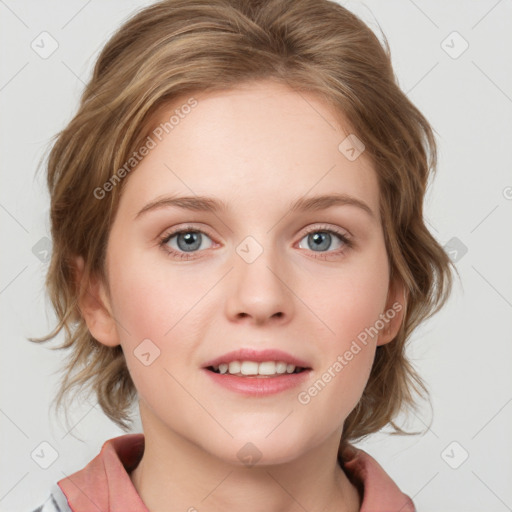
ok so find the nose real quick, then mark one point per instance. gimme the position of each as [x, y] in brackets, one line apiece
[259, 291]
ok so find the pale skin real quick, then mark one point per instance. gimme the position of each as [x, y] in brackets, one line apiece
[258, 148]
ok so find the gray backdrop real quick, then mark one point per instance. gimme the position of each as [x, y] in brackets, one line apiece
[451, 59]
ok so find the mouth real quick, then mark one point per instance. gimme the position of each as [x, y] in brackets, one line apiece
[264, 369]
[258, 373]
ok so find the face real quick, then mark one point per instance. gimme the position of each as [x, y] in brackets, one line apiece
[192, 281]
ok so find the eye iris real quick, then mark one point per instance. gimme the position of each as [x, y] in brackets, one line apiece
[321, 239]
[192, 241]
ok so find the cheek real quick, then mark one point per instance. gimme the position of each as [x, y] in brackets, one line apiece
[346, 362]
[152, 302]
[353, 298]
[349, 309]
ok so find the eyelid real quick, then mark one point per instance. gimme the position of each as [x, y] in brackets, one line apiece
[328, 227]
[186, 227]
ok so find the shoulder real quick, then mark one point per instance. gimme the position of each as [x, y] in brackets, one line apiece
[56, 502]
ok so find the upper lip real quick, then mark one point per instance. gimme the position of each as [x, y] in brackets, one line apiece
[259, 356]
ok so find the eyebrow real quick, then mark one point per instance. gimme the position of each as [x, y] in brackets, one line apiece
[211, 204]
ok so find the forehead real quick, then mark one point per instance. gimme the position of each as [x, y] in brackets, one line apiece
[257, 143]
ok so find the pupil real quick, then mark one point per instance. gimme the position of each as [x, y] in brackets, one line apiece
[192, 241]
[321, 240]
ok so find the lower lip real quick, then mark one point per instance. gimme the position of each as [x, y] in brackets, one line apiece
[259, 386]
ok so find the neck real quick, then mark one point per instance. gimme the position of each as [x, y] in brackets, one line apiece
[175, 474]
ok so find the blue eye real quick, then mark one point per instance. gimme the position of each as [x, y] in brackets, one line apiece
[187, 240]
[184, 243]
[321, 240]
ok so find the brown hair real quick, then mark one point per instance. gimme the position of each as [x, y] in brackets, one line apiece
[177, 47]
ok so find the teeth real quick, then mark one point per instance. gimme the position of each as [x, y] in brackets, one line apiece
[253, 368]
[281, 367]
[249, 368]
[234, 367]
[267, 368]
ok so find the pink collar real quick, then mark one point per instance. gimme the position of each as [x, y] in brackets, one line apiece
[379, 492]
[104, 485]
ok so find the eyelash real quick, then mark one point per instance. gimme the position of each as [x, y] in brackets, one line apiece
[348, 244]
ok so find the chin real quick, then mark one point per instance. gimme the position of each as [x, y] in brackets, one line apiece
[257, 450]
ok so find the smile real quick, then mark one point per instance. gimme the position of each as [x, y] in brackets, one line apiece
[254, 368]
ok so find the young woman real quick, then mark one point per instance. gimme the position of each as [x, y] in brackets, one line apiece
[239, 245]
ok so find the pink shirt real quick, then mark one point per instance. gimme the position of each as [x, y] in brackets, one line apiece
[104, 485]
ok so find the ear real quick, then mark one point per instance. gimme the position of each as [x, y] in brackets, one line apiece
[394, 313]
[95, 307]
